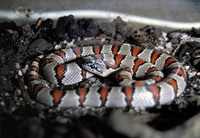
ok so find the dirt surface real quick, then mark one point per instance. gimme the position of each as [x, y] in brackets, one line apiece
[21, 116]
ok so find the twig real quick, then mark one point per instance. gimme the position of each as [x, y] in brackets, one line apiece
[174, 52]
[38, 23]
[198, 56]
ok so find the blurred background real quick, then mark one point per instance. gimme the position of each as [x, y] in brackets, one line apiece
[152, 12]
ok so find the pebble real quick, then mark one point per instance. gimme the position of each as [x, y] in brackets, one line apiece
[25, 87]
[18, 103]
[160, 47]
[103, 40]
[42, 115]
[20, 73]
[62, 120]
[164, 35]
[187, 67]
[58, 108]
[65, 44]
[17, 65]
[195, 85]
[2, 103]
[169, 45]
[19, 92]
[71, 44]
[192, 74]
[21, 99]
[7, 94]
[25, 69]
[13, 108]
[184, 36]
[58, 46]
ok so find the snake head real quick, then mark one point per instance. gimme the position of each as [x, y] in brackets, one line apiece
[94, 65]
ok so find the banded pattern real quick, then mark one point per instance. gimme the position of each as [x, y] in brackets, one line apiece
[59, 69]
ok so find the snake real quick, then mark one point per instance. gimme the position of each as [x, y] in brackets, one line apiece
[142, 77]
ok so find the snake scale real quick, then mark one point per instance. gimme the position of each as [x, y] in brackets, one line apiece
[146, 77]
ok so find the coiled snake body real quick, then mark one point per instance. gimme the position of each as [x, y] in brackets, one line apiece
[161, 78]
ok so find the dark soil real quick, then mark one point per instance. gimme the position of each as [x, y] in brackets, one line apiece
[22, 117]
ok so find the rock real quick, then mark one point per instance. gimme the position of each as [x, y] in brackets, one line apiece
[27, 31]
[122, 27]
[68, 29]
[60, 33]
[8, 25]
[44, 29]
[39, 45]
[87, 28]
[108, 28]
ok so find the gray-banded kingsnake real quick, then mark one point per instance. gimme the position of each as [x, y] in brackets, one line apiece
[128, 62]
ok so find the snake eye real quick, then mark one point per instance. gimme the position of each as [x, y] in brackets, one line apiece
[92, 66]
